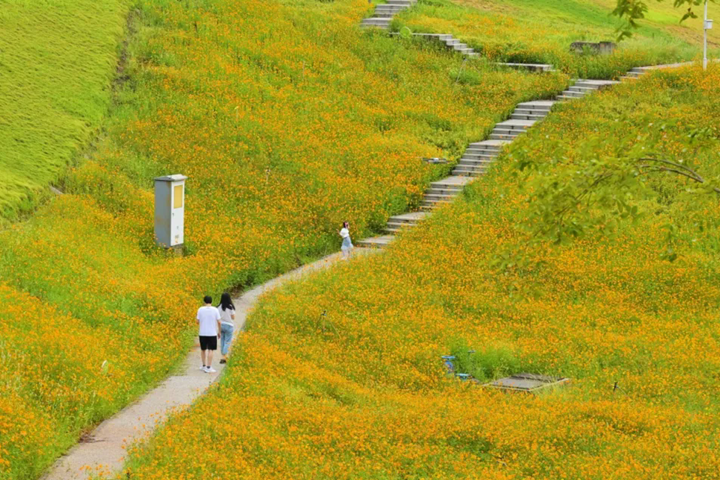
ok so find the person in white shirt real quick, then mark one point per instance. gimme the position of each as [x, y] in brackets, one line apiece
[208, 319]
[227, 324]
[347, 245]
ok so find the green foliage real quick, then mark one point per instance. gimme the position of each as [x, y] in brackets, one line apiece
[58, 61]
[634, 10]
[661, 135]
[486, 363]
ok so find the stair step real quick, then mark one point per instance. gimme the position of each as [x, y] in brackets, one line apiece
[475, 161]
[375, 242]
[411, 217]
[401, 224]
[482, 150]
[436, 197]
[516, 124]
[469, 173]
[533, 67]
[577, 88]
[502, 136]
[532, 111]
[522, 116]
[570, 93]
[376, 22]
[440, 191]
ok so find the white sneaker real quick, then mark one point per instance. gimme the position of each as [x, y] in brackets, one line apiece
[210, 370]
[201, 367]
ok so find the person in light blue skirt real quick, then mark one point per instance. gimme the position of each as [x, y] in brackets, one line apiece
[347, 245]
[227, 324]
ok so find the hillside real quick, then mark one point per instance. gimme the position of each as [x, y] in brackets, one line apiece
[58, 62]
[286, 123]
[636, 333]
[287, 118]
[542, 31]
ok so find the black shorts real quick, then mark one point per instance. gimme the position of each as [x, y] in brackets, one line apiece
[208, 343]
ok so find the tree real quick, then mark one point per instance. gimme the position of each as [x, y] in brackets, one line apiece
[633, 10]
[595, 192]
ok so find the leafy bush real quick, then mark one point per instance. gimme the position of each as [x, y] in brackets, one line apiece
[487, 363]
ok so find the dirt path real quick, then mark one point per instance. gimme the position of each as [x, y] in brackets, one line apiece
[103, 451]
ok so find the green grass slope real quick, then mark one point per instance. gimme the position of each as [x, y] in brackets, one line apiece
[58, 60]
[637, 334]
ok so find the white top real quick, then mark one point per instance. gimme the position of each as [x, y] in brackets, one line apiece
[344, 233]
[207, 317]
[226, 316]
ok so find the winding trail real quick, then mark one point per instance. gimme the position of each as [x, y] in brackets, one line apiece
[104, 450]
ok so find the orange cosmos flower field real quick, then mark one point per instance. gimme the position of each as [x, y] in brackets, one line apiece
[636, 334]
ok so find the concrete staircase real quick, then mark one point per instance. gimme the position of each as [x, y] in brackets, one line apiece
[582, 87]
[456, 45]
[385, 12]
[479, 156]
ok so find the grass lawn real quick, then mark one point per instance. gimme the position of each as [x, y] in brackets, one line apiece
[57, 64]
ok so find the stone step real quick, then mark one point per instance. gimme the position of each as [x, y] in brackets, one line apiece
[430, 205]
[468, 174]
[388, 12]
[375, 242]
[473, 147]
[473, 163]
[483, 154]
[390, 6]
[409, 218]
[503, 136]
[515, 124]
[408, 3]
[450, 182]
[443, 191]
[565, 98]
[479, 158]
[570, 93]
[545, 105]
[446, 187]
[462, 169]
[393, 229]
[596, 84]
[521, 116]
[436, 197]
[533, 67]
[531, 111]
[376, 22]
[578, 88]
[498, 144]
[481, 151]
[438, 36]
[395, 226]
